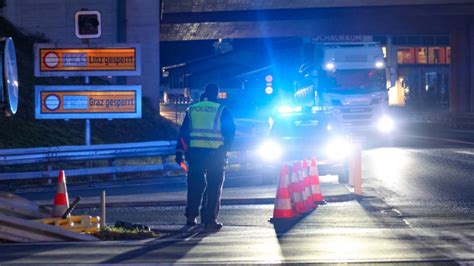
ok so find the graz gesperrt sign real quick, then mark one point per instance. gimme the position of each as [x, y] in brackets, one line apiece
[88, 102]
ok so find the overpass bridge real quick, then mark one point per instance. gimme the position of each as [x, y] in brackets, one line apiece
[186, 20]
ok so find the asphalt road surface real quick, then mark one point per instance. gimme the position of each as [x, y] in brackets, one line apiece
[418, 206]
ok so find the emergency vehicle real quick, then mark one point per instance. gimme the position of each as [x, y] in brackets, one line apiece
[299, 133]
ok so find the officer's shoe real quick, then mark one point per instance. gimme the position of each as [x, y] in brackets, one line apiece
[213, 227]
[191, 221]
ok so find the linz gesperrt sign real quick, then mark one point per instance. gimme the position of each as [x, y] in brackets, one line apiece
[87, 60]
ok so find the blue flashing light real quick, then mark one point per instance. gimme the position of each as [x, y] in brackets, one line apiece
[285, 109]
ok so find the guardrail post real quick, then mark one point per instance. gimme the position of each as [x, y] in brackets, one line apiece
[50, 168]
[164, 161]
[103, 210]
[113, 163]
[243, 155]
[88, 164]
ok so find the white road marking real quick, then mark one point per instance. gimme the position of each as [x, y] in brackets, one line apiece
[464, 152]
[403, 219]
[447, 140]
[191, 236]
[466, 241]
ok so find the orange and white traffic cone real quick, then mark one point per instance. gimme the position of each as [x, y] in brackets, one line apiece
[296, 189]
[283, 208]
[61, 200]
[315, 185]
[308, 195]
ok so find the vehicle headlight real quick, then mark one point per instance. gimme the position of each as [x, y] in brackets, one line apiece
[379, 64]
[386, 124]
[338, 148]
[270, 151]
[330, 66]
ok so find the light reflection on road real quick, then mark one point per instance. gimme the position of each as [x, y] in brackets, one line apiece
[254, 244]
[387, 164]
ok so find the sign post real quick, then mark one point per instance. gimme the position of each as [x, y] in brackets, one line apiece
[87, 126]
[87, 133]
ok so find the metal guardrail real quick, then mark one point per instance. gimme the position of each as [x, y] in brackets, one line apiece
[48, 155]
[110, 152]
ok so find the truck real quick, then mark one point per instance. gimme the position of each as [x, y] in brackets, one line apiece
[349, 81]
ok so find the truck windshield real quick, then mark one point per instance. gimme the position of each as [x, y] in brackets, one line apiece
[365, 79]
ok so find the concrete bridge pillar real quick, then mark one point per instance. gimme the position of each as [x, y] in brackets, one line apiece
[462, 67]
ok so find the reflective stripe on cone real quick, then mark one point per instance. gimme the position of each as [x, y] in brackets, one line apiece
[283, 208]
[61, 200]
[297, 189]
[309, 200]
[315, 185]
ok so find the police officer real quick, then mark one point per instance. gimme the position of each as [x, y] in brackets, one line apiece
[205, 137]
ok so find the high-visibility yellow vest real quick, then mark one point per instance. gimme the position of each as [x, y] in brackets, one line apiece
[205, 125]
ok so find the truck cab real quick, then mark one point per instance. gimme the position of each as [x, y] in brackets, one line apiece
[349, 79]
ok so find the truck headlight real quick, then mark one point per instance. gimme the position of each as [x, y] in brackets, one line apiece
[338, 148]
[270, 151]
[379, 64]
[330, 66]
[386, 124]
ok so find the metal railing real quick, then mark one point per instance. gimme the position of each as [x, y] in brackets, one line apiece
[49, 156]
[110, 152]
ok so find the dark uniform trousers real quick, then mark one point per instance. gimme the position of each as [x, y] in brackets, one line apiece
[205, 181]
